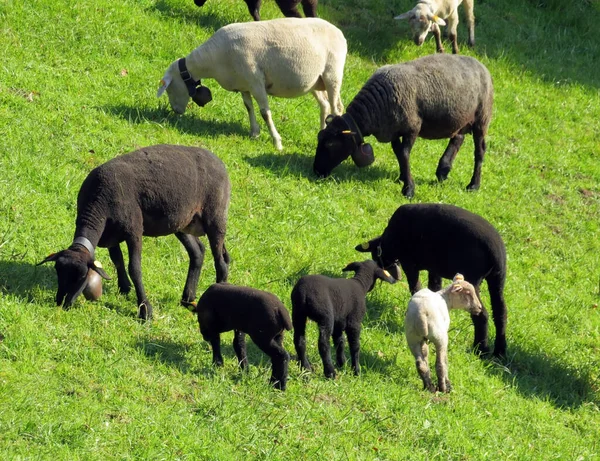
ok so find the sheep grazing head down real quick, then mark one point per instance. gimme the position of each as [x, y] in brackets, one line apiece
[421, 21]
[180, 87]
[374, 247]
[340, 139]
[77, 273]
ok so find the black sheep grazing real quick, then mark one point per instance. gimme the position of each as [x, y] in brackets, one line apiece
[225, 307]
[154, 191]
[338, 306]
[445, 240]
[433, 97]
[289, 8]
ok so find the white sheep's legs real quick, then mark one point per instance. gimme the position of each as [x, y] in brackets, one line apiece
[452, 22]
[441, 365]
[470, 19]
[321, 98]
[263, 103]
[254, 127]
[420, 351]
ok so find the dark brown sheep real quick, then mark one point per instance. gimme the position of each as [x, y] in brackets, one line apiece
[289, 8]
[154, 191]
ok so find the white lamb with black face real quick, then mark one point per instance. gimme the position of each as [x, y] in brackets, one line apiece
[427, 320]
[287, 58]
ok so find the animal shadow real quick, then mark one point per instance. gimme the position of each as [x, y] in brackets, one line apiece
[538, 375]
[187, 123]
[24, 279]
[167, 352]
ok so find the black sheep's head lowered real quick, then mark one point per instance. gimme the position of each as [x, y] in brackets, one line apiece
[337, 142]
[374, 247]
[76, 271]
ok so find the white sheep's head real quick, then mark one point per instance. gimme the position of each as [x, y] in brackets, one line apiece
[421, 21]
[173, 84]
[462, 295]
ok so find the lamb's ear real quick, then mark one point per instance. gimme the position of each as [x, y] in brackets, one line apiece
[49, 258]
[403, 15]
[456, 288]
[367, 247]
[439, 21]
[97, 267]
[164, 83]
[351, 267]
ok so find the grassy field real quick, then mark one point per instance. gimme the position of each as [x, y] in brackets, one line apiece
[78, 81]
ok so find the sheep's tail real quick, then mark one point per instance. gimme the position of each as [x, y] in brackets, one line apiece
[284, 317]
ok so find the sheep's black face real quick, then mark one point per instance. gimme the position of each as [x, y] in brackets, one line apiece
[335, 144]
[374, 247]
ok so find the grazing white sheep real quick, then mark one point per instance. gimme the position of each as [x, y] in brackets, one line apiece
[286, 57]
[430, 14]
[427, 319]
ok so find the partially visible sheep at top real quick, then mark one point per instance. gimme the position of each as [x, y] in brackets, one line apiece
[289, 8]
[153, 191]
[434, 97]
[428, 15]
[286, 57]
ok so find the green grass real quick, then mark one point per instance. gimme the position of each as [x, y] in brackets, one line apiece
[77, 87]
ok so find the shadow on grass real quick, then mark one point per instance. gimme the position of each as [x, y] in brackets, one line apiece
[189, 122]
[167, 352]
[535, 374]
[21, 278]
[301, 165]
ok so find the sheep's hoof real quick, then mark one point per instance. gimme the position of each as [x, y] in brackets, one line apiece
[330, 374]
[442, 173]
[278, 384]
[306, 366]
[408, 191]
[124, 289]
[145, 311]
[189, 305]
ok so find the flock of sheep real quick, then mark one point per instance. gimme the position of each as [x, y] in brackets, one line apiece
[170, 189]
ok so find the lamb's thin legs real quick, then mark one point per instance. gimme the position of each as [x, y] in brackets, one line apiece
[239, 346]
[353, 333]
[435, 29]
[441, 366]
[279, 359]
[215, 342]
[470, 19]
[310, 8]
[195, 250]
[338, 342]
[134, 248]
[116, 256]
[447, 159]
[325, 332]
[254, 127]
[254, 8]
[480, 148]
[420, 352]
[402, 151]
[289, 10]
[299, 322]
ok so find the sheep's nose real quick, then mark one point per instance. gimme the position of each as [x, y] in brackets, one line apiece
[419, 41]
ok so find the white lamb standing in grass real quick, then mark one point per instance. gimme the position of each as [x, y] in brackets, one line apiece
[427, 319]
[286, 57]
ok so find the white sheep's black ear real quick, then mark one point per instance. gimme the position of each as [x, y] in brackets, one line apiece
[164, 84]
[402, 16]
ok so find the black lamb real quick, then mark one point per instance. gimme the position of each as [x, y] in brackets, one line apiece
[337, 305]
[154, 191]
[433, 97]
[445, 240]
[225, 307]
[289, 8]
